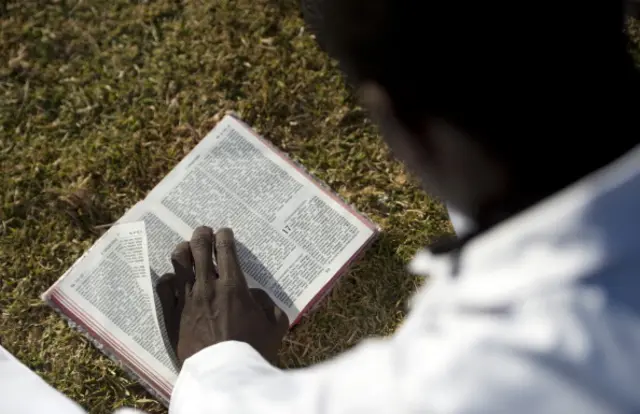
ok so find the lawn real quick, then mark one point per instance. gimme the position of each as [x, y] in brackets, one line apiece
[99, 99]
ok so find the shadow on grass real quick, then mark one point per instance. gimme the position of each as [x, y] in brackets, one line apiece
[369, 301]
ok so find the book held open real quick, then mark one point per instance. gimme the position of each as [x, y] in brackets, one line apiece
[294, 238]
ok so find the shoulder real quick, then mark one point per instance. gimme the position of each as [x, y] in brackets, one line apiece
[559, 347]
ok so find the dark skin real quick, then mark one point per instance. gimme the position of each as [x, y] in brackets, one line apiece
[205, 304]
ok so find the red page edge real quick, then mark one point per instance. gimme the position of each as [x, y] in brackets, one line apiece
[112, 345]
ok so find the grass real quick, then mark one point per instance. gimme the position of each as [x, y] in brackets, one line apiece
[100, 99]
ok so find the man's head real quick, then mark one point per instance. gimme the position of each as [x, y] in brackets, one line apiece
[494, 105]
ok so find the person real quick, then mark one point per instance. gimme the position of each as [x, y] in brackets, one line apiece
[523, 118]
[518, 119]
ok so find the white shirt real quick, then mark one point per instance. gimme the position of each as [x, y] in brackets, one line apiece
[540, 314]
[462, 224]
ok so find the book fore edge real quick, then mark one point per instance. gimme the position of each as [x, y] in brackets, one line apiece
[106, 350]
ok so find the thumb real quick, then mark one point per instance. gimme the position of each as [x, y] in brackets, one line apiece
[171, 293]
[274, 314]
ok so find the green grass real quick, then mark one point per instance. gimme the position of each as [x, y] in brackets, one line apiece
[100, 99]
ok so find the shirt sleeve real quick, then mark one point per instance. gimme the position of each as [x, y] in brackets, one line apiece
[232, 377]
[375, 378]
[23, 392]
[468, 363]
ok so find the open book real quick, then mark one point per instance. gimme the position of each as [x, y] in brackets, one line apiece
[294, 238]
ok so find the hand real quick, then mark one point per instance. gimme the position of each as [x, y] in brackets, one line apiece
[203, 306]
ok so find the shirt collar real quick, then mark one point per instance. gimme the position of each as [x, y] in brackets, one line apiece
[567, 236]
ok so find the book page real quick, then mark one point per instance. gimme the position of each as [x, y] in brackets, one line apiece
[109, 293]
[293, 236]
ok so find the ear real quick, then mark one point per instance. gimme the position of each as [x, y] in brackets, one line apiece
[376, 100]
[407, 145]
[449, 163]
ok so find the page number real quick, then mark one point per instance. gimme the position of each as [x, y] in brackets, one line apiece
[286, 229]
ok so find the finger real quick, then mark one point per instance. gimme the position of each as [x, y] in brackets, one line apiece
[274, 314]
[170, 289]
[202, 252]
[182, 261]
[181, 256]
[227, 257]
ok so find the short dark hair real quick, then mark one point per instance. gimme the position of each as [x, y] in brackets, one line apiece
[513, 75]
